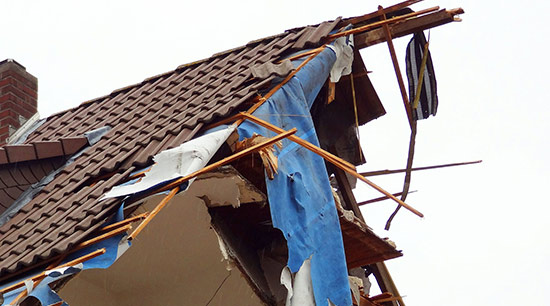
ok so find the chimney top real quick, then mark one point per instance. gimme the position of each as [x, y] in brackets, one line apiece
[18, 98]
[11, 60]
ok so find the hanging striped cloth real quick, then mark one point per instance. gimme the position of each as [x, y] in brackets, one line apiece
[427, 104]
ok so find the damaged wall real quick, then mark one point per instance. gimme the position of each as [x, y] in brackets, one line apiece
[176, 260]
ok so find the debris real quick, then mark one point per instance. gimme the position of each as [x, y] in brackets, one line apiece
[267, 155]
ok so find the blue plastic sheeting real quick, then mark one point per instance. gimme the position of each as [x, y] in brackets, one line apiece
[114, 246]
[300, 196]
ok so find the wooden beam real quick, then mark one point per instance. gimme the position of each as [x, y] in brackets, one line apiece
[408, 173]
[306, 144]
[389, 9]
[112, 233]
[42, 275]
[347, 192]
[123, 222]
[381, 198]
[225, 161]
[333, 159]
[395, 62]
[373, 25]
[406, 27]
[383, 172]
[154, 212]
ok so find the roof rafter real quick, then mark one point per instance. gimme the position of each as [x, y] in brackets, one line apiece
[407, 27]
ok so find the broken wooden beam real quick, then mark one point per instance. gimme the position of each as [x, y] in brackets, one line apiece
[227, 160]
[333, 159]
[373, 25]
[406, 27]
[382, 198]
[399, 76]
[382, 172]
[153, 213]
[123, 222]
[389, 9]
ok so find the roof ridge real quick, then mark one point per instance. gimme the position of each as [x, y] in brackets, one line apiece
[178, 69]
[192, 64]
[35, 150]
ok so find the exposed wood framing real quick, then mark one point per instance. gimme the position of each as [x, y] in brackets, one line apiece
[406, 27]
[389, 9]
[333, 159]
[373, 25]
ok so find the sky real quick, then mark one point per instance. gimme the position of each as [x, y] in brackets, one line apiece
[483, 239]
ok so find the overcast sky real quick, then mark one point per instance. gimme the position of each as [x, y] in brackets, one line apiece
[484, 238]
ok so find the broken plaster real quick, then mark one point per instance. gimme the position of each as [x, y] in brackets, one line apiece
[225, 187]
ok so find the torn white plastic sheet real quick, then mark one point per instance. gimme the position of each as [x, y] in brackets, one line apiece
[360, 273]
[355, 283]
[61, 271]
[300, 290]
[343, 47]
[177, 162]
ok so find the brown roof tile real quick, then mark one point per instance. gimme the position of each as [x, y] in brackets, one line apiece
[18, 153]
[15, 178]
[26, 164]
[161, 112]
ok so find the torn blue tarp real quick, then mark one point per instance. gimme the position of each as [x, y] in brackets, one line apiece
[300, 196]
[114, 247]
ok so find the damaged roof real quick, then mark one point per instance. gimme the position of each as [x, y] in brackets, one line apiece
[159, 113]
[26, 164]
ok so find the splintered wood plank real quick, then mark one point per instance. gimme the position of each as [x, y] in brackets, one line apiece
[406, 27]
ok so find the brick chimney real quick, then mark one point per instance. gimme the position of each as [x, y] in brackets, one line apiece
[18, 97]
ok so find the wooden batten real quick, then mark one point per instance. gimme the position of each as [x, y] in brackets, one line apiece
[406, 27]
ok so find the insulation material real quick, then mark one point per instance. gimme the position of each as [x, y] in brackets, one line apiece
[299, 286]
[343, 47]
[300, 196]
[176, 163]
[362, 276]
[114, 246]
[356, 284]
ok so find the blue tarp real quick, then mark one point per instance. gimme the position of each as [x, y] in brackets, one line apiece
[300, 197]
